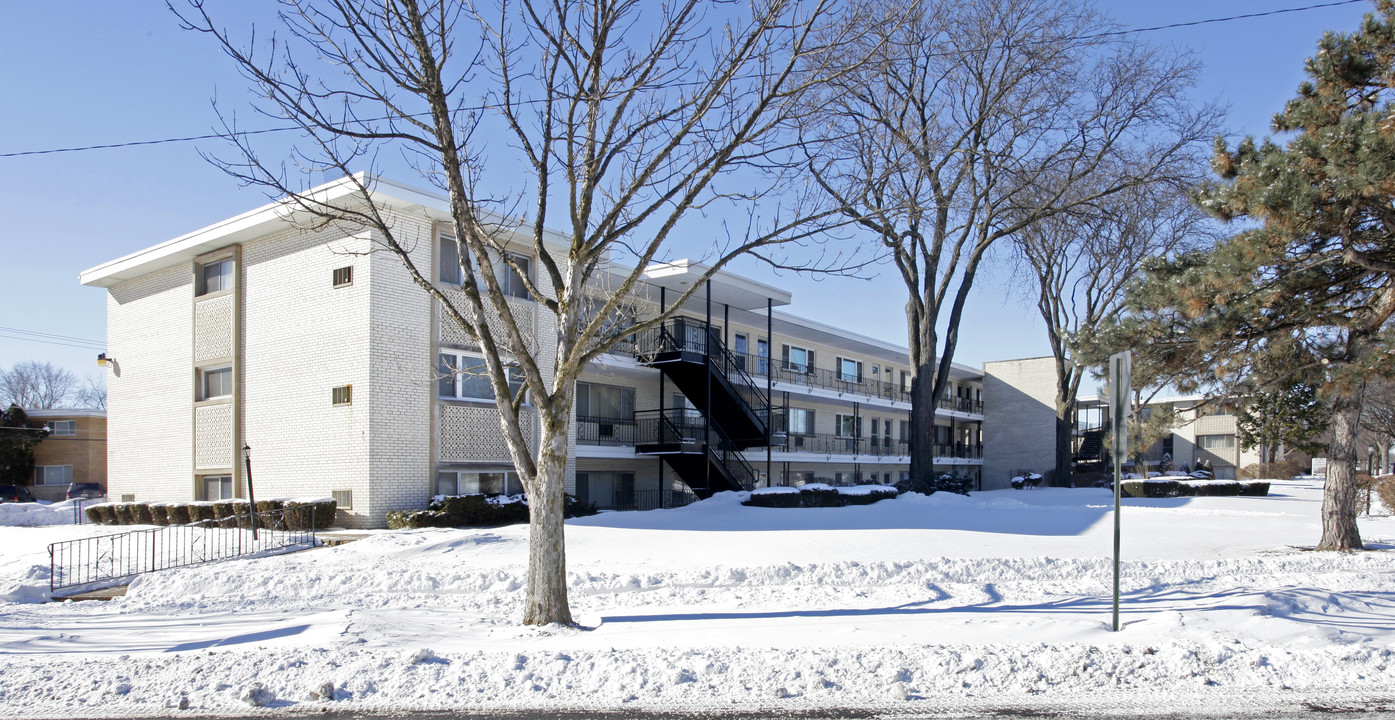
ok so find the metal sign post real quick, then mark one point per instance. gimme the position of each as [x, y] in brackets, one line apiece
[1120, 396]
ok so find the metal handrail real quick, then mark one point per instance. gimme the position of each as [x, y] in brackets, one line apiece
[605, 431]
[106, 560]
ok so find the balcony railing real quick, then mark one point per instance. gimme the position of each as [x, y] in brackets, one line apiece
[826, 379]
[604, 431]
[822, 444]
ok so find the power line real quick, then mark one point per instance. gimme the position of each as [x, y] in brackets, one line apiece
[50, 338]
[1111, 33]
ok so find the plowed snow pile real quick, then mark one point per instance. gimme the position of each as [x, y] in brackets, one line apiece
[919, 605]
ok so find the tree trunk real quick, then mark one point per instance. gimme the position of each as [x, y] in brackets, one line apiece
[1339, 491]
[923, 403]
[1061, 476]
[546, 600]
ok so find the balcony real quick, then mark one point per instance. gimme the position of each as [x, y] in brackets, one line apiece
[605, 431]
[826, 379]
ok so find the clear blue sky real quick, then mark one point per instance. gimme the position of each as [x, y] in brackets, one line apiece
[91, 72]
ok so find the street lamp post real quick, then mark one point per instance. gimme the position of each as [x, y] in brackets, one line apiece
[251, 497]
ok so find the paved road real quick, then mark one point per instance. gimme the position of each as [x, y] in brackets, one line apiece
[1379, 710]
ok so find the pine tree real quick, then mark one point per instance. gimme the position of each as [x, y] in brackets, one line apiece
[1310, 287]
[1292, 417]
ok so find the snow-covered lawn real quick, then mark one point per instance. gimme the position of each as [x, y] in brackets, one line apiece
[917, 605]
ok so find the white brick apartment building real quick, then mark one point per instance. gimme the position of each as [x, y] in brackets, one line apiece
[343, 378]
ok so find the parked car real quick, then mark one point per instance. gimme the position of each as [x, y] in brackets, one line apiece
[15, 494]
[87, 491]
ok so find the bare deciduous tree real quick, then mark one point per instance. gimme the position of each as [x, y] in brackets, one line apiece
[1078, 263]
[35, 385]
[974, 120]
[92, 393]
[620, 123]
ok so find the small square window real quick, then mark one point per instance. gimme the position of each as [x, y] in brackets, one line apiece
[215, 277]
[343, 276]
[215, 383]
[343, 395]
[343, 499]
[63, 427]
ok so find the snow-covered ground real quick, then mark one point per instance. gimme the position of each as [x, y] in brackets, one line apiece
[919, 605]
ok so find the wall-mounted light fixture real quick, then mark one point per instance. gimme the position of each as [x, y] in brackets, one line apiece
[103, 360]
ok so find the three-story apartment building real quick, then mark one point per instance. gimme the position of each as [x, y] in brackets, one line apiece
[344, 378]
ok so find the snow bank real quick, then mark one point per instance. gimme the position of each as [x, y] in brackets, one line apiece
[920, 605]
[39, 513]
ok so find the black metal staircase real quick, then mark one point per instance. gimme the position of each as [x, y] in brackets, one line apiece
[730, 412]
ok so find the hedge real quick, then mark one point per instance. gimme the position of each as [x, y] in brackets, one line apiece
[221, 513]
[819, 495]
[1166, 488]
[455, 511]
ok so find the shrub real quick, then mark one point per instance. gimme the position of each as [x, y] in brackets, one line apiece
[1281, 470]
[1211, 488]
[178, 514]
[1254, 489]
[159, 513]
[775, 500]
[576, 508]
[101, 514]
[143, 514]
[870, 496]
[819, 495]
[1145, 489]
[957, 484]
[301, 515]
[1385, 490]
[202, 511]
[125, 513]
[411, 519]
[269, 515]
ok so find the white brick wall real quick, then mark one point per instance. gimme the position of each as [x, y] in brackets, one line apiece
[303, 337]
[150, 390]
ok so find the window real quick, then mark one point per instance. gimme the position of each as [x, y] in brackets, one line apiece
[608, 490]
[739, 349]
[343, 499]
[344, 276]
[689, 411]
[342, 395]
[847, 426]
[610, 402]
[53, 474]
[215, 383]
[464, 377]
[905, 381]
[762, 357]
[905, 430]
[1215, 442]
[448, 261]
[63, 427]
[510, 281]
[472, 482]
[215, 277]
[801, 421]
[798, 359]
[849, 370]
[217, 487]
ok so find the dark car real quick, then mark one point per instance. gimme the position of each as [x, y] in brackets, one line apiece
[87, 491]
[15, 494]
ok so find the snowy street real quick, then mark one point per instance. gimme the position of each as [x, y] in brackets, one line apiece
[920, 606]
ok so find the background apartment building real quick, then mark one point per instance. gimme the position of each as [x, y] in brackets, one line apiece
[1020, 430]
[75, 450]
[345, 379]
